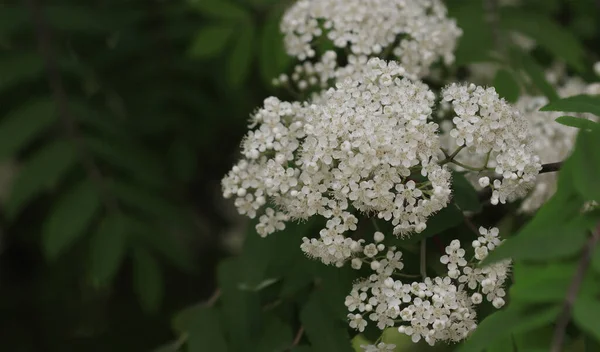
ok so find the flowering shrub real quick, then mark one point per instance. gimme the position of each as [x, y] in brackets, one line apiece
[392, 160]
[415, 175]
[373, 143]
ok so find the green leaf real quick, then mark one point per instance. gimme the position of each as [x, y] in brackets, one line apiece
[303, 349]
[241, 309]
[257, 255]
[220, 9]
[548, 34]
[506, 85]
[503, 323]
[541, 283]
[299, 276]
[21, 126]
[552, 242]
[534, 71]
[464, 194]
[585, 314]
[477, 40]
[162, 241]
[577, 103]
[586, 164]
[206, 333]
[182, 320]
[324, 333]
[578, 122]
[70, 217]
[505, 344]
[360, 340]
[146, 202]
[97, 120]
[148, 280]
[591, 344]
[210, 41]
[240, 58]
[80, 19]
[547, 282]
[18, 68]
[107, 249]
[40, 172]
[557, 230]
[183, 161]
[129, 157]
[288, 262]
[276, 336]
[273, 58]
[534, 340]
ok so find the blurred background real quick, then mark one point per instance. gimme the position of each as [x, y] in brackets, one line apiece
[118, 119]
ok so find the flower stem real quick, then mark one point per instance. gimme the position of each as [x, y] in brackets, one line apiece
[423, 264]
[450, 157]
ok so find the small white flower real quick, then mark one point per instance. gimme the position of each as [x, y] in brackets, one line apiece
[357, 322]
[356, 263]
[417, 32]
[370, 250]
[476, 298]
[484, 181]
[481, 253]
[498, 302]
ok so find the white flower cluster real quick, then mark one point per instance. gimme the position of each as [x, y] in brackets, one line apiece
[367, 144]
[418, 33]
[551, 141]
[310, 74]
[440, 308]
[365, 141]
[497, 134]
[262, 173]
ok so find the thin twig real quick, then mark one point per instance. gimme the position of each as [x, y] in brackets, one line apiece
[565, 315]
[212, 300]
[492, 16]
[471, 226]
[44, 38]
[551, 167]
[375, 224]
[298, 337]
[450, 157]
[423, 259]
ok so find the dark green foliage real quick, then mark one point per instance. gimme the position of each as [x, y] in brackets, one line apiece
[119, 195]
[148, 280]
[324, 333]
[514, 320]
[205, 332]
[465, 196]
[577, 122]
[506, 85]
